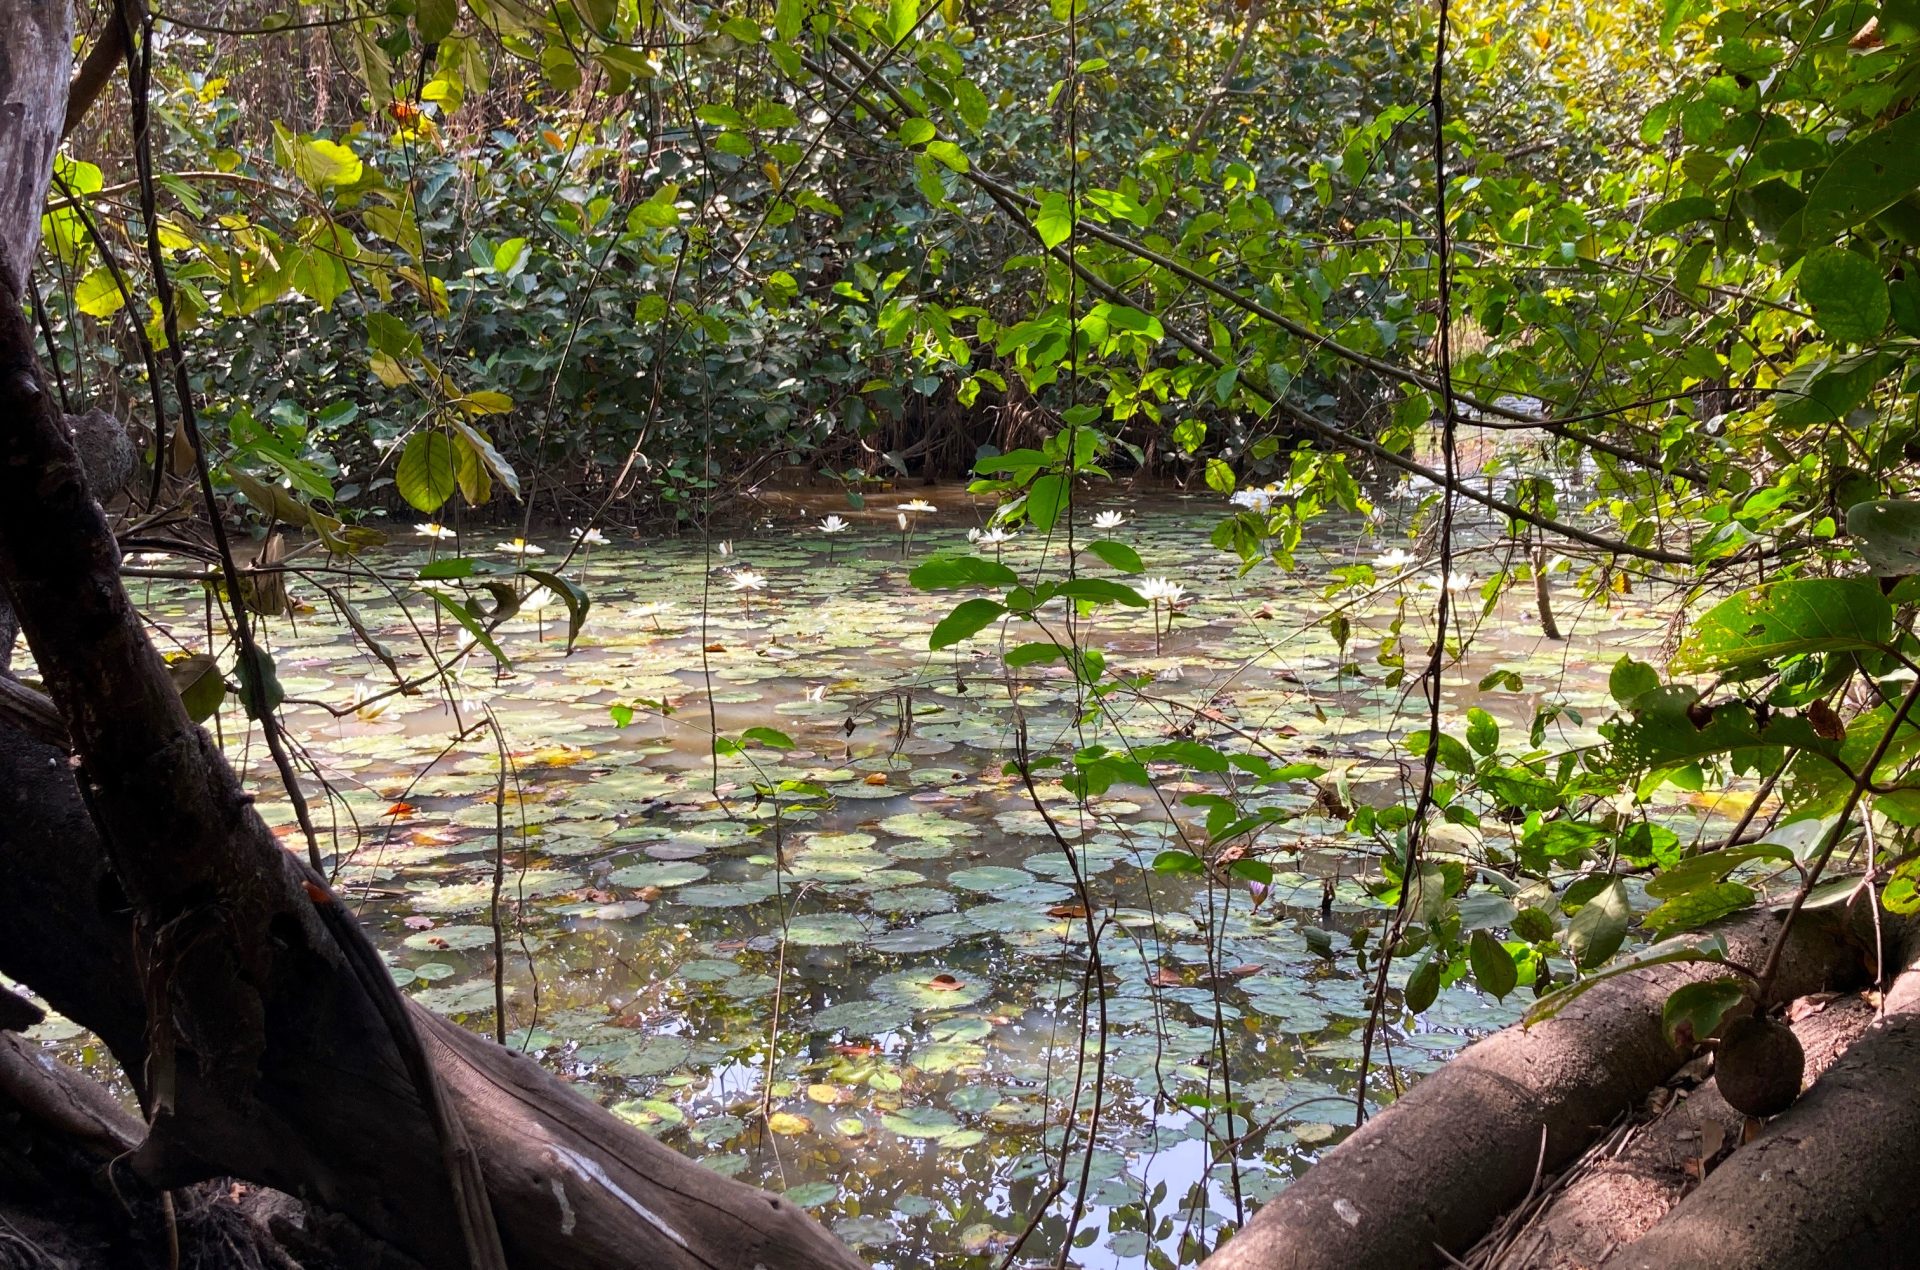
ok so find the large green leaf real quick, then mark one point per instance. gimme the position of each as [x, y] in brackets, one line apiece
[1886, 533]
[1847, 293]
[1783, 619]
[968, 618]
[1866, 178]
[435, 19]
[424, 474]
[940, 573]
[1597, 930]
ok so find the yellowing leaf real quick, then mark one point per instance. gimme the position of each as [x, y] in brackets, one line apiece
[785, 1122]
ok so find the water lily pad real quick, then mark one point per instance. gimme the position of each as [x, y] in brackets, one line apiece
[658, 873]
[932, 988]
[819, 930]
[863, 1018]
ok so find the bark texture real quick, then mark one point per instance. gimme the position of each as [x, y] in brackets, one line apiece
[1435, 1170]
[1830, 1182]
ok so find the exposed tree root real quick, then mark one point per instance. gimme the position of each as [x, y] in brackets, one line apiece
[1829, 1183]
[1426, 1179]
[1631, 1178]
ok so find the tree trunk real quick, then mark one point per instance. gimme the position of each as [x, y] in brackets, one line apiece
[1429, 1176]
[1829, 1183]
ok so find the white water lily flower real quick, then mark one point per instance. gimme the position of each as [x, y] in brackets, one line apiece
[520, 547]
[902, 518]
[917, 506]
[537, 599]
[1160, 591]
[834, 525]
[994, 537]
[437, 532]
[1258, 499]
[649, 611]
[724, 547]
[747, 580]
[1395, 559]
[1109, 520]
[588, 537]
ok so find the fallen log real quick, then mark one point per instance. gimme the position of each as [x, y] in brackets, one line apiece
[1424, 1180]
[1829, 1182]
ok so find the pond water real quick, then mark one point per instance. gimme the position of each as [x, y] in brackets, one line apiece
[878, 1001]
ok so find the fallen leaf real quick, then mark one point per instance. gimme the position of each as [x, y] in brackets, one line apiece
[716, 648]
[418, 922]
[400, 811]
[826, 1095]
[1068, 910]
[785, 1122]
[648, 893]
[945, 983]
[1243, 970]
[877, 778]
[1165, 978]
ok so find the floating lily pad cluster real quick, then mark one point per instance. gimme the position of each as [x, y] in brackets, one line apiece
[857, 968]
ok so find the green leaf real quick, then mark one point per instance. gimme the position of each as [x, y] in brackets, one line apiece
[197, 678]
[1483, 733]
[435, 18]
[510, 257]
[489, 458]
[1045, 498]
[916, 132]
[1423, 985]
[968, 618]
[1710, 867]
[1674, 213]
[1493, 967]
[1451, 753]
[452, 567]
[1118, 555]
[480, 633]
[1036, 654]
[317, 162]
[950, 154]
[1866, 178]
[1783, 619]
[772, 738]
[1100, 590]
[1694, 1011]
[1596, 931]
[1178, 862]
[424, 475]
[902, 17]
[1887, 534]
[941, 573]
[260, 690]
[571, 595]
[1220, 478]
[1666, 953]
[1698, 907]
[98, 295]
[1847, 293]
[1631, 680]
[1054, 221]
[1533, 925]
